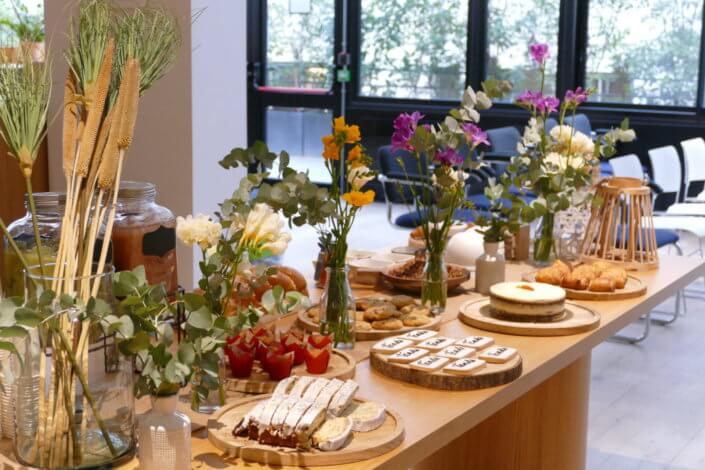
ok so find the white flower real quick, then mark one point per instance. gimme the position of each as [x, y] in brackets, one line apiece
[263, 230]
[532, 135]
[625, 135]
[574, 141]
[199, 230]
[483, 101]
[456, 175]
[556, 162]
[360, 176]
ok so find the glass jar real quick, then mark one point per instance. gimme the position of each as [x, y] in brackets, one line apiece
[144, 234]
[74, 405]
[337, 308]
[434, 285]
[164, 436]
[50, 211]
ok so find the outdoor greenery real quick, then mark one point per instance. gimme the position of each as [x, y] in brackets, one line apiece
[19, 24]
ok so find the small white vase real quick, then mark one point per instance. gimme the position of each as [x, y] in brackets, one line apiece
[164, 437]
[489, 268]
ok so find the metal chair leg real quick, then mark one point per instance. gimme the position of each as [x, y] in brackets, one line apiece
[671, 318]
[635, 339]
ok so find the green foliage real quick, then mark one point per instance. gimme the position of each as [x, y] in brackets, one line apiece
[25, 26]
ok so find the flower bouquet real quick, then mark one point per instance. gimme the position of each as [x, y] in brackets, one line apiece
[448, 147]
[558, 166]
[74, 392]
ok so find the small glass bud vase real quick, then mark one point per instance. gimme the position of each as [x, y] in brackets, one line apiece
[164, 436]
[489, 268]
[434, 288]
[337, 308]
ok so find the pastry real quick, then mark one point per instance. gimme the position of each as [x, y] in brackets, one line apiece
[284, 386]
[362, 326]
[343, 397]
[388, 324]
[391, 345]
[465, 366]
[527, 301]
[602, 284]
[366, 416]
[380, 312]
[437, 343]
[550, 275]
[407, 355]
[366, 302]
[414, 319]
[419, 335]
[401, 301]
[576, 283]
[619, 276]
[309, 422]
[301, 385]
[429, 363]
[326, 394]
[456, 351]
[476, 342]
[562, 267]
[601, 266]
[359, 316]
[416, 309]
[498, 354]
[585, 271]
[333, 434]
[315, 388]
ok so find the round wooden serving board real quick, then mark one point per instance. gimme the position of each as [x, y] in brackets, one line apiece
[370, 335]
[578, 319]
[491, 375]
[341, 366]
[362, 446]
[633, 288]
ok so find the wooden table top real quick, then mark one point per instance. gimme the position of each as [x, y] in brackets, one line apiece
[434, 418]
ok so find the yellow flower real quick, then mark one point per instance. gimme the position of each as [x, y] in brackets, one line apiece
[358, 198]
[339, 125]
[330, 148]
[352, 134]
[348, 134]
[199, 230]
[355, 156]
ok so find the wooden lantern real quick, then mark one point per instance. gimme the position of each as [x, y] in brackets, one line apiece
[621, 228]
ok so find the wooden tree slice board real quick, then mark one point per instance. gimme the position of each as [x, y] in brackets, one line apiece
[362, 446]
[491, 375]
[341, 366]
[578, 319]
[303, 321]
[634, 287]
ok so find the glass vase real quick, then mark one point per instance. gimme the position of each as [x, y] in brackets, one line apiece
[489, 268]
[207, 392]
[544, 247]
[164, 436]
[434, 285]
[74, 405]
[338, 308]
[569, 231]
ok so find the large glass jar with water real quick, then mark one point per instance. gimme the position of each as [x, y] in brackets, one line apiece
[50, 211]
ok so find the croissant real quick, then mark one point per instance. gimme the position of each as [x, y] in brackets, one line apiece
[586, 271]
[618, 275]
[572, 281]
[562, 267]
[550, 275]
[601, 266]
[602, 284]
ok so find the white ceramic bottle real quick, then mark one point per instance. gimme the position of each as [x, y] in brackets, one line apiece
[164, 437]
[489, 268]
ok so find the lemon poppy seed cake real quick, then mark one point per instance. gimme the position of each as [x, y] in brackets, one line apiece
[527, 301]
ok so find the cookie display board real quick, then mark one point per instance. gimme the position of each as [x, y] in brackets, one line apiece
[577, 319]
[341, 366]
[634, 287]
[362, 445]
[489, 375]
[305, 322]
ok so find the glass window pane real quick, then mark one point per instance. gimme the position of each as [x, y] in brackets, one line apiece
[644, 51]
[300, 43]
[511, 29]
[299, 132]
[413, 48]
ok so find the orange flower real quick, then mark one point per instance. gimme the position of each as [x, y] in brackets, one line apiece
[330, 148]
[352, 134]
[358, 198]
[339, 125]
[354, 156]
[348, 134]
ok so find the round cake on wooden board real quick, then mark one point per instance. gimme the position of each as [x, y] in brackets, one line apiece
[527, 301]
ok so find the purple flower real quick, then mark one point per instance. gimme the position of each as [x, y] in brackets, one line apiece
[475, 135]
[449, 156]
[404, 127]
[539, 52]
[547, 104]
[528, 98]
[578, 96]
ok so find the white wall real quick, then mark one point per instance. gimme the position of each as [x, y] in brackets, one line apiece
[188, 121]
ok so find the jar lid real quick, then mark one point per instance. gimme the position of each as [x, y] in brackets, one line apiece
[137, 190]
[46, 200]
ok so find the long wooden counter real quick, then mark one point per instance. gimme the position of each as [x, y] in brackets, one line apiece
[539, 421]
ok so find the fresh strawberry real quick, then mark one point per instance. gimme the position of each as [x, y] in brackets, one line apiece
[279, 365]
[317, 360]
[320, 341]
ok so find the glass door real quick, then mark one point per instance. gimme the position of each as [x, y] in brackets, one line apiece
[293, 94]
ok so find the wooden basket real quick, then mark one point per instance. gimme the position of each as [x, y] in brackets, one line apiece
[621, 228]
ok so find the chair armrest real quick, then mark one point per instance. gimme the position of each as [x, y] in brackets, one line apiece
[502, 157]
[655, 188]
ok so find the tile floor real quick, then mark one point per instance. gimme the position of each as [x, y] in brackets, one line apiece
[646, 401]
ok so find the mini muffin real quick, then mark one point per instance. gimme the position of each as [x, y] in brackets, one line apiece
[401, 301]
[388, 324]
[414, 319]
